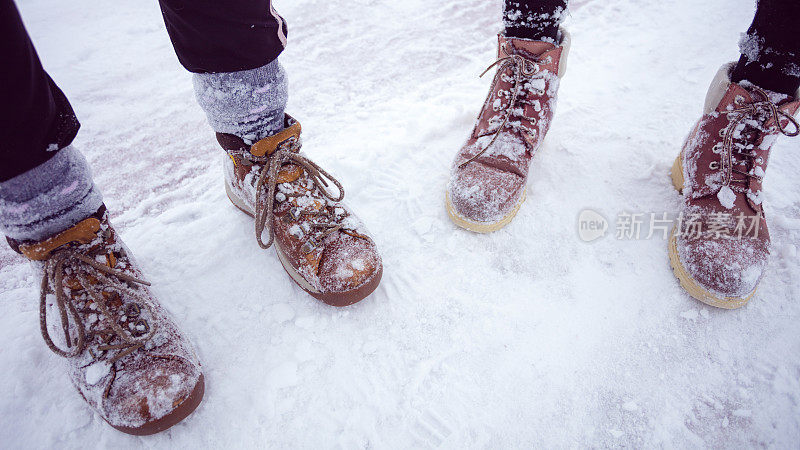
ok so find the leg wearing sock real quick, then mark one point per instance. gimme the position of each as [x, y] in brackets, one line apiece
[49, 198]
[248, 104]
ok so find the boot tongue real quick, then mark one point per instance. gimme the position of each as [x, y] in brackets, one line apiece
[269, 144]
[83, 232]
[262, 147]
[266, 147]
[524, 47]
[546, 54]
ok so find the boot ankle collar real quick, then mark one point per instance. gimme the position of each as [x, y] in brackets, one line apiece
[18, 245]
[83, 232]
[540, 50]
[269, 144]
[263, 147]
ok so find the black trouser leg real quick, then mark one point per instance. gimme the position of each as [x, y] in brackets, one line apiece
[771, 48]
[36, 118]
[224, 36]
[533, 19]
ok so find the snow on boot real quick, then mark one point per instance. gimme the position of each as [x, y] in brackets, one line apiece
[720, 246]
[124, 354]
[321, 244]
[490, 172]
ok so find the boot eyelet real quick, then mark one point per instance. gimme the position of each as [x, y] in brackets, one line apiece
[140, 328]
[132, 310]
[717, 148]
[722, 132]
[738, 100]
[714, 165]
[309, 246]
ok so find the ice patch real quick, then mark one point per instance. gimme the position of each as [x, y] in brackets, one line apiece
[768, 141]
[96, 371]
[358, 264]
[755, 197]
[538, 84]
[750, 275]
[343, 273]
[726, 197]
[296, 231]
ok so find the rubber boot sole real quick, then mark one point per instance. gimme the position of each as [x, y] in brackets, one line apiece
[338, 299]
[482, 227]
[687, 281]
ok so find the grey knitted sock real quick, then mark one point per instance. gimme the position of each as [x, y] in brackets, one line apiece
[49, 198]
[248, 104]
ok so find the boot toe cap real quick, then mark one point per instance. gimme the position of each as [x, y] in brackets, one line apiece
[728, 267]
[482, 193]
[140, 398]
[348, 264]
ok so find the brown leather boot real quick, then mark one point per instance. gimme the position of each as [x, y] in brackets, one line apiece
[720, 247]
[321, 244]
[124, 354]
[490, 172]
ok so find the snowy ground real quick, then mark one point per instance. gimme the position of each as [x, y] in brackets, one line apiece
[528, 335]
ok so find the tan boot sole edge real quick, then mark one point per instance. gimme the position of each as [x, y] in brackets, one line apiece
[688, 283]
[677, 174]
[482, 227]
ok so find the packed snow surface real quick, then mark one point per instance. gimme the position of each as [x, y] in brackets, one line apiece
[525, 336]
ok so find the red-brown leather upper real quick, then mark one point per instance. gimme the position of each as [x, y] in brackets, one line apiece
[485, 188]
[729, 256]
[129, 389]
[337, 263]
